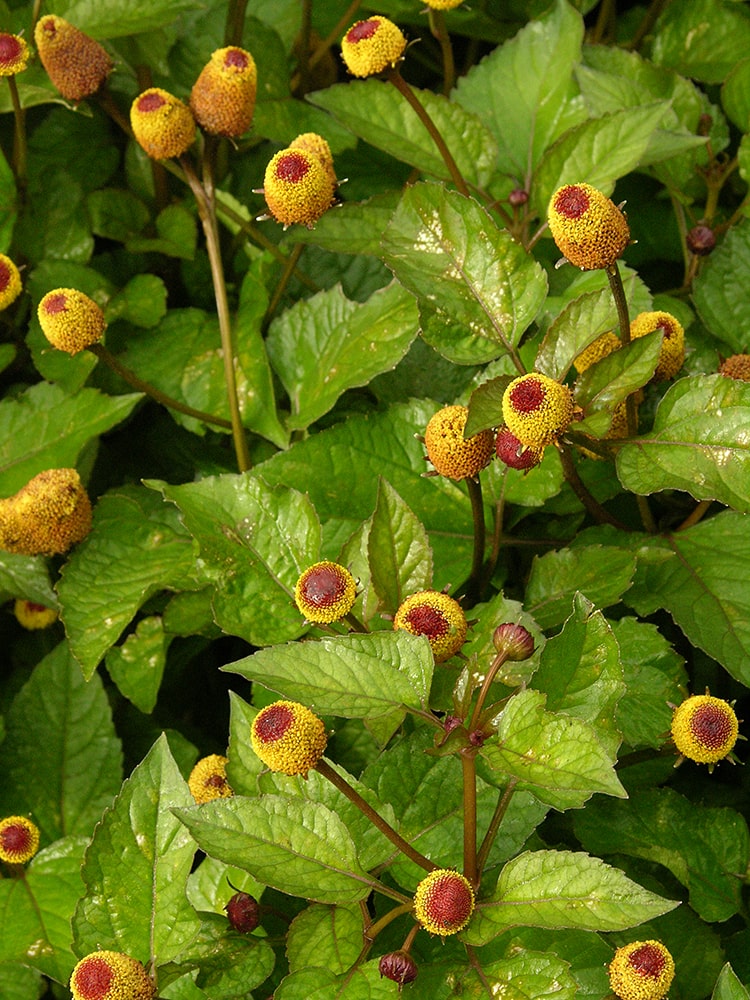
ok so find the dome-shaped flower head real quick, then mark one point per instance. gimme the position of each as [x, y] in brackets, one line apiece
[443, 4]
[75, 63]
[208, 779]
[313, 143]
[399, 967]
[602, 347]
[223, 96]
[297, 187]
[537, 409]
[163, 126]
[444, 902]
[110, 975]
[515, 455]
[70, 320]
[19, 840]
[642, 970]
[47, 516]
[672, 354]
[704, 729]
[33, 616]
[10, 281]
[325, 592]
[737, 367]
[436, 616]
[288, 737]
[453, 455]
[588, 228]
[14, 54]
[243, 912]
[371, 46]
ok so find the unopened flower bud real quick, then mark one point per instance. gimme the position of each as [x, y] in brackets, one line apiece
[10, 281]
[14, 54]
[453, 455]
[111, 975]
[444, 902]
[587, 227]
[19, 840]
[518, 197]
[515, 455]
[288, 737]
[47, 516]
[76, 64]
[163, 126]
[642, 970]
[223, 96]
[243, 912]
[70, 320]
[516, 642]
[438, 617]
[371, 46]
[537, 409]
[701, 240]
[208, 779]
[398, 966]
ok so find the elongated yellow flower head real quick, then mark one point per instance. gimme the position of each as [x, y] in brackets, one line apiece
[208, 779]
[444, 902]
[10, 281]
[163, 126]
[110, 975]
[587, 227]
[70, 320]
[19, 840]
[737, 367]
[14, 54]
[443, 4]
[47, 516]
[371, 46]
[297, 187]
[642, 970]
[537, 409]
[704, 729]
[325, 592]
[34, 616]
[288, 737]
[436, 616]
[672, 354]
[75, 63]
[602, 347]
[453, 455]
[223, 96]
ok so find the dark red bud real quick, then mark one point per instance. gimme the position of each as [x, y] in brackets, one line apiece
[514, 640]
[398, 966]
[518, 197]
[243, 912]
[477, 738]
[451, 722]
[701, 240]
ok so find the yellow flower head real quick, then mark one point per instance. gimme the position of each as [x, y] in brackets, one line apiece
[537, 409]
[163, 126]
[587, 227]
[47, 516]
[515, 455]
[70, 320]
[76, 64]
[443, 4]
[444, 902]
[313, 143]
[297, 187]
[325, 592]
[19, 840]
[453, 455]
[223, 96]
[642, 970]
[14, 54]
[33, 616]
[288, 737]
[10, 281]
[110, 975]
[704, 729]
[738, 367]
[371, 46]
[672, 353]
[600, 348]
[436, 616]
[208, 779]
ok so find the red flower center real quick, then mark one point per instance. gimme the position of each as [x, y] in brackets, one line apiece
[711, 727]
[647, 961]
[527, 396]
[10, 48]
[572, 202]
[292, 168]
[428, 621]
[362, 30]
[273, 722]
[94, 979]
[31, 606]
[236, 58]
[215, 781]
[323, 587]
[55, 304]
[49, 29]
[151, 102]
[16, 839]
[668, 327]
[4, 269]
[450, 903]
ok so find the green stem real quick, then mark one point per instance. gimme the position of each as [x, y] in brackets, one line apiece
[648, 21]
[394, 75]
[235, 22]
[600, 515]
[372, 931]
[19, 139]
[497, 817]
[303, 49]
[440, 32]
[140, 385]
[499, 660]
[469, 772]
[474, 583]
[324, 768]
[696, 515]
[356, 624]
[289, 267]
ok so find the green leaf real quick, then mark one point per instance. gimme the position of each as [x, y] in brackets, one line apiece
[379, 114]
[26, 577]
[700, 443]
[581, 321]
[18, 982]
[282, 119]
[116, 214]
[254, 542]
[44, 428]
[295, 846]
[557, 576]
[142, 302]
[132, 529]
[137, 665]
[562, 889]
[364, 983]
[356, 227]
[328, 937]
[556, 757]
[703, 39]
[122, 17]
[718, 288]
[610, 381]
[446, 249]
[398, 549]
[324, 345]
[177, 235]
[728, 986]
[486, 405]
[734, 95]
[62, 759]
[136, 868]
[703, 847]
[227, 964]
[9, 209]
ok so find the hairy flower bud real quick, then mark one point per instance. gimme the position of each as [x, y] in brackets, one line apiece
[288, 737]
[672, 354]
[453, 455]
[515, 455]
[10, 281]
[33, 616]
[223, 96]
[297, 187]
[537, 409]
[163, 126]
[518, 197]
[737, 367]
[704, 729]
[436, 616]
[642, 970]
[76, 64]
[110, 975]
[587, 227]
[701, 240]
[14, 54]
[243, 912]
[398, 966]
[19, 840]
[47, 516]
[371, 46]
[325, 592]
[600, 348]
[70, 320]
[444, 902]
[516, 642]
[208, 779]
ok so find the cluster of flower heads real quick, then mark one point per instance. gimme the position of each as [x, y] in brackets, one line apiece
[111, 975]
[47, 516]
